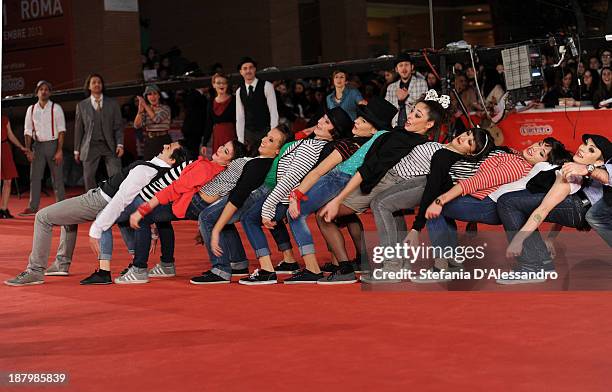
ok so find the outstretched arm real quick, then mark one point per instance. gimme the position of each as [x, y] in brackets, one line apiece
[559, 191]
[229, 211]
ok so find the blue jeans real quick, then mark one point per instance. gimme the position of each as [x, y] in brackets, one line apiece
[160, 215]
[165, 230]
[599, 218]
[233, 256]
[514, 210]
[251, 222]
[443, 230]
[325, 189]
[106, 240]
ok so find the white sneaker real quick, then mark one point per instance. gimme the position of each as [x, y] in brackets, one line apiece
[161, 271]
[134, 275]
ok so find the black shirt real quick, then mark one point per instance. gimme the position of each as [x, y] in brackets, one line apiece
[385, 153]
[439, 181]
[346, 147]
[252, 177]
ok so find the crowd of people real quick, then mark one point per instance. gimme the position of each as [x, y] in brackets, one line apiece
[358, 149]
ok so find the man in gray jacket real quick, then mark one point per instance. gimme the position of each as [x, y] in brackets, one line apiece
[98, 132]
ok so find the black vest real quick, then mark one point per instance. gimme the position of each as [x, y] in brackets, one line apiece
[111, 186]
[256, 112]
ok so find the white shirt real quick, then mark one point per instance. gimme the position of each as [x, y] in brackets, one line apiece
[520, 185]
[137, 179]
[93, 101]
[270, 98]
[42, 122]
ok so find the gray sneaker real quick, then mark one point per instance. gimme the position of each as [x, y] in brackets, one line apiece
[26, 278]
[57, 270]
[339, 277]
[162, 270]
[389, 272]
[134, 275]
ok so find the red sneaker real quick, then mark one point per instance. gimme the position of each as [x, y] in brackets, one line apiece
[28, 212]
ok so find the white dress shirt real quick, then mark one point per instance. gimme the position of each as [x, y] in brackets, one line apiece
[93, 101]
[138, 178]
[42, 122]
[270, 98]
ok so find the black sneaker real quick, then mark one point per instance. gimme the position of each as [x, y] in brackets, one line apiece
[98, 277]
[259, 277]
[356, 264]
[344, 275]
[285, 268]
[329, 267]
[6, 214]
[238, 272]
[208, 277]
[304, 276]
[126, 269]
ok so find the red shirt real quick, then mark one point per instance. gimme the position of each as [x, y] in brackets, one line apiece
[494, 172]
[192, 178]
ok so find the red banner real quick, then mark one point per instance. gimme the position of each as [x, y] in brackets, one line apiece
[36, 41]
[566, 125]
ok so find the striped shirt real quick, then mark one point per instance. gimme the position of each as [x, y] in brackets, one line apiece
[149, 191]
[293, 166]
[159, 123]
[464, 169]
[494, 172]
[417, 162]
[225, 181]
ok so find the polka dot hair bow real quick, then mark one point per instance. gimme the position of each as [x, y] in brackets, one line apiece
[443, 100]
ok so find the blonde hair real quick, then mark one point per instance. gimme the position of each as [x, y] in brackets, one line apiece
[219, 75]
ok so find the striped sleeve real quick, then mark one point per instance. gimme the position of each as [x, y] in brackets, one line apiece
[226, 180]
[493, 172]
[464, 169]
[418, 161]
[149, 191]
[304, 160]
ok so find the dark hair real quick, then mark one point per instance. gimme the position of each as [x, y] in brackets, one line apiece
[437, 114]
[284, 129]
[602, 84]
[337, 71]
[595, 76]
[240, 149]
[93, 75]
[558, 154]
[181, 154]
[483, 143]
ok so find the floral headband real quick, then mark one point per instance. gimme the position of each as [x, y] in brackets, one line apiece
[443, 100]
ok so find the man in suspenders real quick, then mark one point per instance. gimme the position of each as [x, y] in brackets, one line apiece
[44, 132]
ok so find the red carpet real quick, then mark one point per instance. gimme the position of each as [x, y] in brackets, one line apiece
[172, 336]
